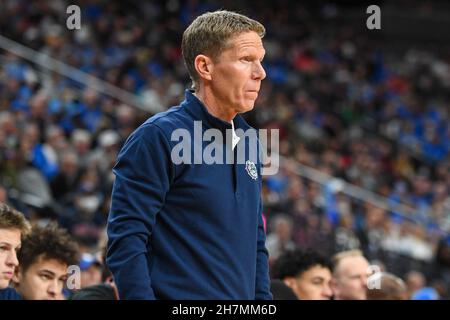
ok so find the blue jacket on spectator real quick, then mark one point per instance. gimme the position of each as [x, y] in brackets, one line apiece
[9, 294]
[186, 231]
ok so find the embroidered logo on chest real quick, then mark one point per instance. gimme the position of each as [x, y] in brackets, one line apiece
[251, 169]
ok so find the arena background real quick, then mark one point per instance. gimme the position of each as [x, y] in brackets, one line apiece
[363, 118]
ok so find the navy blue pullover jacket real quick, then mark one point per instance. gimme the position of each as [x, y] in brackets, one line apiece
[185, 231]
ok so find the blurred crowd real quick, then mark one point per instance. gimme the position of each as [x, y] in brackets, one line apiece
[44, 262]
[344, 103]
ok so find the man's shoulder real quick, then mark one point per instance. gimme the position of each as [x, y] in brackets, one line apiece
[9, 294]
[166, 121]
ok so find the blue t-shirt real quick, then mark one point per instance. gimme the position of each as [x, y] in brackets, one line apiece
[9, 294]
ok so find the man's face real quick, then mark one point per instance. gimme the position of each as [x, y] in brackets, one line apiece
[313, 284]
[237, 74]
[43, 280]
[9, 245]
[350, 281]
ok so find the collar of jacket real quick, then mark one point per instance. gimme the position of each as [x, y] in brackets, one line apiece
[199, 112]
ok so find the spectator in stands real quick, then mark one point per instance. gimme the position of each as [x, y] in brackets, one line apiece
[82, 143]
[280, 239]
[91, 270]
[45, 256]
[106, 290]
[64, 183]
[415, 280]
[386, 286]
[308, 274]
[13, 227]
[350, 272]
[105, 156]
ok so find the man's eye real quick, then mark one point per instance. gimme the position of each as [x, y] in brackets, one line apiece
[45, 277]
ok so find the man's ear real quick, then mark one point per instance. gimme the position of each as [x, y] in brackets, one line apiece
[204, 66]
[290, 282]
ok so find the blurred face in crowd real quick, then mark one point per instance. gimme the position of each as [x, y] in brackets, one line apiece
[312, 284]
[9, 245]
[415, 281]
[43, 280]
[69, 164]
[284, 230]
[234, 78]
[91, 276]
[350, 278]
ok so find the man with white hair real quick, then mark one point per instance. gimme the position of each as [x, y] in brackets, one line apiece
[350, 273]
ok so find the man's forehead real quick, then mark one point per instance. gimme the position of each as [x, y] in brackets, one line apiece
[351, 263]
[318, 271]
[246, 40]
[54, 266]
[10, 236]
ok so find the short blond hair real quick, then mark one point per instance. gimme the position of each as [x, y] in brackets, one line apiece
[209, 34]
[13, 219]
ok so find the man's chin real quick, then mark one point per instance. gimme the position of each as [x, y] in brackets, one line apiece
[4, 283]
[247, 108]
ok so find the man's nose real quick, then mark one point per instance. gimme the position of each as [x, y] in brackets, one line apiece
[12, 259]
[259, 72]
[53, 288]
[327, 292]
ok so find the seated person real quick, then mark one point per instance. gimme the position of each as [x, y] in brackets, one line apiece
[350, 273]
[308, 274]
[45, 256]
[13, 226]
[91, 270]
[386, 286]
[106, 290]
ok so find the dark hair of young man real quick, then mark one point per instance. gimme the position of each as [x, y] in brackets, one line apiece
[293, 263]
[49, 242]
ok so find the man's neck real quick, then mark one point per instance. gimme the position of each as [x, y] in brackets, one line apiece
[214, 108]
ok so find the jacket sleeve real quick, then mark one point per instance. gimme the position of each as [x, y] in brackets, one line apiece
[142, 177]
[262, 288]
